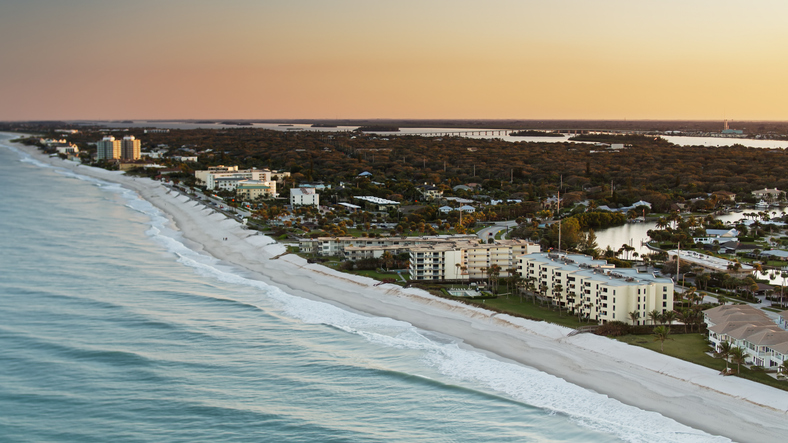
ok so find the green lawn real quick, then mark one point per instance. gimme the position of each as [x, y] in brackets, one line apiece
[693, 348]
[527, 309]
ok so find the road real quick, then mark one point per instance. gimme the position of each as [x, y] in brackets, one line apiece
[491, 231]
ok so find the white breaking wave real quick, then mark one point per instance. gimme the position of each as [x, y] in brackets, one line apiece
[555, 395]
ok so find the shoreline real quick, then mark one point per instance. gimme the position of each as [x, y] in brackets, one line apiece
[689, 394]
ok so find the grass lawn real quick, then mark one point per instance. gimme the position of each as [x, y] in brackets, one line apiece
[379, 275]
[693, 348]
[529, 310]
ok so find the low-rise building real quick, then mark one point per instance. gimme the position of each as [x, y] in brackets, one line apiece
[254, 189]
[768, 195]
[747, 327]
[596, 290]
[304, 197]
[708, 263]
[227, 178]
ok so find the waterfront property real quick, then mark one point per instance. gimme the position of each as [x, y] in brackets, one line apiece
[708, 263]
[596, 290]
[467, 259]
[356, 248]
[747, 327]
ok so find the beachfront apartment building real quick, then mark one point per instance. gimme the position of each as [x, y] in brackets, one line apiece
[227, 178]
[764, 341]
[443, 257]
[594, 289]
[108, 148]
[305, 196]
[467, 259]
[130, 148]
[356, 248]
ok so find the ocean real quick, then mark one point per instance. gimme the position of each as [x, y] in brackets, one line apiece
[113, 329]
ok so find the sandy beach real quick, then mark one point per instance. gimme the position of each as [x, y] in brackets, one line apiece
[696, 396]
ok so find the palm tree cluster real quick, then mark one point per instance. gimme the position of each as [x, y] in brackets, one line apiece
[728, 352]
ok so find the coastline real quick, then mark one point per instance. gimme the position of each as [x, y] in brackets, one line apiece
[692, 395]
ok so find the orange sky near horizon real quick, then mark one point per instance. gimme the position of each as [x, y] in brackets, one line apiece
[247, 59]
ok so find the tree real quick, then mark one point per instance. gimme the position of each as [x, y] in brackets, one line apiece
[668, 317]
[634, 316]
[738, 355]
[557, 296]
[388, 259]
[543, 292]
[530, 286]
[654, 316]
[724, 351]
[661, 334]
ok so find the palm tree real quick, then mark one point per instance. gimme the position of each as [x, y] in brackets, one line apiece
[653, 316]
[543, 292]
[668, 317]
[530, 286]
[738, 356]
[557, 296]
[661, 334]
[724, 351]
[634, 315]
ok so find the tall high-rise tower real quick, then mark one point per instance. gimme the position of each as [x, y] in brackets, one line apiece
[108, 148]
[130, 148]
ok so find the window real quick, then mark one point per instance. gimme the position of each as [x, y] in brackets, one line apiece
[664, 296]
[664, 305]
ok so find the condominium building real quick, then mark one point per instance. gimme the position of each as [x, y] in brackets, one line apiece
[355, 248]
[253, 189]
[596, 290]
[304, 197]
[130, 148]
[467, 259]
[227, 178]
[108, 148]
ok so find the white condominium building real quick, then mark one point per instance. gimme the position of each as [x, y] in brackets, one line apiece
[227, 178]
[356, 248]
[467, 259]
[304, 197]
[595, 289]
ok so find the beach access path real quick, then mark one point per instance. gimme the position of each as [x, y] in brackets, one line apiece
[693, 395]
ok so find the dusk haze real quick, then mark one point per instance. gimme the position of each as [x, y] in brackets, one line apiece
[247, 59]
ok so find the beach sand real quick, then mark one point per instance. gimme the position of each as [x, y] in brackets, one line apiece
[693, 395]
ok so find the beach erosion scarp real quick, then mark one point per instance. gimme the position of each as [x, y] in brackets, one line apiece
[695, 396]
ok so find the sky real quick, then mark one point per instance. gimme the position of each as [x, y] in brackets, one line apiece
[423, 59]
